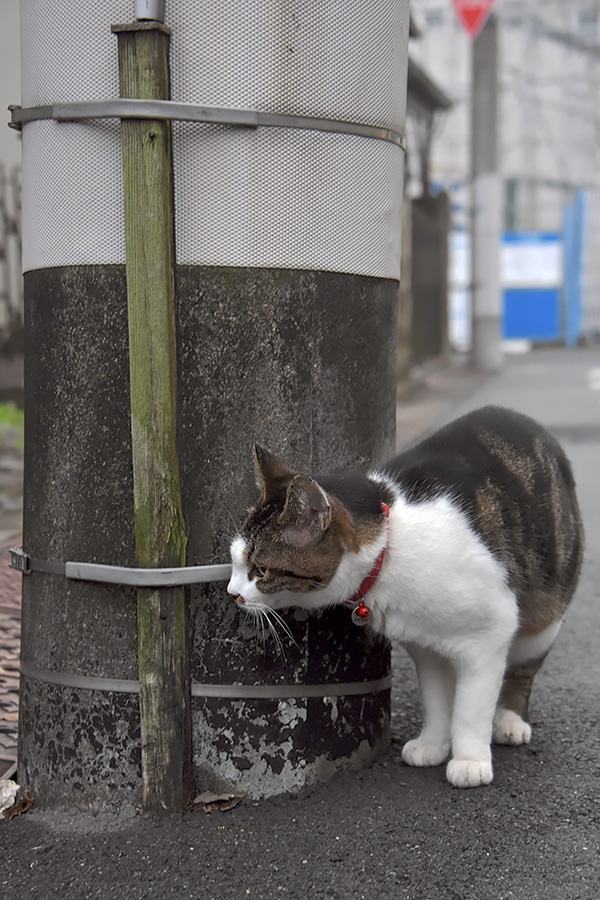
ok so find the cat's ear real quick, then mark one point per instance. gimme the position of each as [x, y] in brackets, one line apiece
[307, 512]
[272, 473]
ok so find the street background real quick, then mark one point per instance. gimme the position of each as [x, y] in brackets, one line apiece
[391, 831]
[502, 144]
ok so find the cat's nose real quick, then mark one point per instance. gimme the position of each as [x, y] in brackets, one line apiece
[233, 591]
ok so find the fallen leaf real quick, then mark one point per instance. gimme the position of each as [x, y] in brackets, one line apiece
[209, 797]
[22, 806]
[209, 802]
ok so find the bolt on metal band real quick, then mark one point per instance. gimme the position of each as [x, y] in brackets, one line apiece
[189, 112]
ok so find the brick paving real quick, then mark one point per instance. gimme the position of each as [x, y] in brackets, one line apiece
[11, 492]
[10, 641]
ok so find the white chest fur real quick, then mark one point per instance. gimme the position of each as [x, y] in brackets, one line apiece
[439, 586]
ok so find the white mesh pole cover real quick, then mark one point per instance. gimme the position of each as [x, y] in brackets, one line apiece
[270, 197]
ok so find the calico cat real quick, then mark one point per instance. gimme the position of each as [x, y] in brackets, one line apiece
[466, 548]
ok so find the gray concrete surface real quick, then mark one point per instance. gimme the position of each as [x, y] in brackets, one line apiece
[391, 831]
[243, 376]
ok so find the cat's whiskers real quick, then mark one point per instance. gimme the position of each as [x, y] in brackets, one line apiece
[236, 530]
[266, 611]
[227, 535]
[265, 625]
[260, 619]
[257, 623]
[273, 621]
[284, 625]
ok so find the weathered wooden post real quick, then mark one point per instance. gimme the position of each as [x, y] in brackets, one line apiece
[159, 529]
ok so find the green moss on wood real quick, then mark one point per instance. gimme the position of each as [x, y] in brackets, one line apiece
[159, 527]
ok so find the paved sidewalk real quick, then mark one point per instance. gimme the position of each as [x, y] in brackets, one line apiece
[424, 404]
[390, 832]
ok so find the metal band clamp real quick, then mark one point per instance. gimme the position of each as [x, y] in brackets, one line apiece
[125, 108]
[81, 571]
[220, 691]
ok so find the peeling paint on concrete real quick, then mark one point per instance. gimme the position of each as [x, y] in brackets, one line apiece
[290, 713]
[301, 615]
[332, 701]
[265, 769]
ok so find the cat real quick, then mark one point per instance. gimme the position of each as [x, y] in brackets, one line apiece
[466, 548]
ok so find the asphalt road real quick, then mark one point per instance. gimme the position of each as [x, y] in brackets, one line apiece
[391, 831]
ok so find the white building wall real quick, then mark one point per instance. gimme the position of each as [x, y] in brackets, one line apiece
[549, 116]
[443, 50]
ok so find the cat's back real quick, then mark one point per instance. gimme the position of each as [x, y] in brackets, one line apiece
[490, 444]
[513, 481]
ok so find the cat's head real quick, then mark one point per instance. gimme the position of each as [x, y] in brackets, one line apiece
[292, 542]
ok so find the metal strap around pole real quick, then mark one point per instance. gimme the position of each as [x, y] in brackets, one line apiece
[147, 577]
[217, 691]
[190, 112]
[136, 577]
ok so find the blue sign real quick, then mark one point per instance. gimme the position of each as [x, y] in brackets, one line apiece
[532, 278]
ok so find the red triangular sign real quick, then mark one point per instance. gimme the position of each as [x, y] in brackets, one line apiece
[473, 14]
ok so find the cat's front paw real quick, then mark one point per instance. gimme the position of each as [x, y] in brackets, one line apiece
[466, 773]
[424, 753]
[509, 728]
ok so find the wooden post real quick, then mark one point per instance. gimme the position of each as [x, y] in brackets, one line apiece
[159, 528]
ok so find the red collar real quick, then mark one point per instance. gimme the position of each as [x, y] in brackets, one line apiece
[360, 611]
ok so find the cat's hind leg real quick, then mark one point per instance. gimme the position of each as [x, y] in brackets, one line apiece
[510, 719]
[436, 683]
[525, 658]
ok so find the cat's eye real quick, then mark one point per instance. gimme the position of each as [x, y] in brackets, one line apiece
[257, 571]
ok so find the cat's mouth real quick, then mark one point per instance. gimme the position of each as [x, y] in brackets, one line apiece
[240, 600]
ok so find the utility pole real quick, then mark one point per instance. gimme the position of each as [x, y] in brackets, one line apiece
[486, 200]
[528, 189]
[287, 189]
